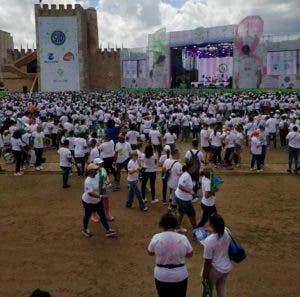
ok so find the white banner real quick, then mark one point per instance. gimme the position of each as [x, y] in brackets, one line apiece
[58, 54]
[282, 63]
[215, 68]
[130, 69]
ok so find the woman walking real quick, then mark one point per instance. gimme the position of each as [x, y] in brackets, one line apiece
[17, 147]
[92, 202]
[216, 145]
[184, 196]
[293, 139]
[149, 172]
[217, 264]
[170, 250]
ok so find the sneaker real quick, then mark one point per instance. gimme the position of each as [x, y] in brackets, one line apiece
[251, 169]
[24, 168]
[145, 200]
[259, 170]
[154, 201]
[41, 167]
[289, 171]
[181, 230]
[87, 233]
[38, 168]
[18, 174]
[67, 186]
[145, 208]
[111, 233]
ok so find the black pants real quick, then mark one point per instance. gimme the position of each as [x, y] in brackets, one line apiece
[152, 177]
[108, 166]
[89, 208]
[283, 133]
[39, 155]
[216, 151]
[263, 154]
[80, 162]
[55, 142]
[228, 155]
[171, 289]
[257, 159]
[164, 190]
[65, 175]
[18, 158]
[207, 212]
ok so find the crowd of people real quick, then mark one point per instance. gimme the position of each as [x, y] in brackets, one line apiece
[100, 135]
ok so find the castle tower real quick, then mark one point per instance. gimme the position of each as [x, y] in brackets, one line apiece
[92, 31]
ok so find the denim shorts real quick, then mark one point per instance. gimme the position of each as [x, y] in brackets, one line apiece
[185, 207]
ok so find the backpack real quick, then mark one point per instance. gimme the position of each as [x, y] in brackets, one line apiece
[167, 173]
[194, 159]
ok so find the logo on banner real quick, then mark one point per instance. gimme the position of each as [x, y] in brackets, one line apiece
[68, 57]
[50, 56]
[58, 37]
[60, 72]
[223, 68]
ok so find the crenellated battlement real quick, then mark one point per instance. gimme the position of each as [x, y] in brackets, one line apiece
[57, 10]
[15, 54]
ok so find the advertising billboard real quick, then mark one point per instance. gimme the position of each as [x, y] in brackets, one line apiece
[58, 54]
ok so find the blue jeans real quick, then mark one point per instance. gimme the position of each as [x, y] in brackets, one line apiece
[134, 190]
[65, 175]
[293, 155]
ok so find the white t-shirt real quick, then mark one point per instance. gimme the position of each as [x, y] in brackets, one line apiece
[175, 173]
[91, 184]
[216, 140]
[271, 125]
[186, 181]
[107, 149]
[256, 148]
[206, 187]
[38, 139]
[170, 248]
[123, 150]
[149, 163]
[132, 136]
[155, 137]
[170, 138]
[94, 154]
[216, 249]
[133, 165]
[293, 139]
[64, 156]
[80, 146]
[16, 144]
[204, 136]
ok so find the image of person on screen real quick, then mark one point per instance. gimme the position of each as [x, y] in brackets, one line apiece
[158, 75]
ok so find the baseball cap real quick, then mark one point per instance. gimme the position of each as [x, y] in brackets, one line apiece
[98, 161]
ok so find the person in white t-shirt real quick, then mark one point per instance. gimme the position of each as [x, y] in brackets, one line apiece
[217, 264]
[256, 150]
[271, 125]
[208, 196]
[170, 250]
[132, 178]
[170, 139]
[293, 139]
[94, 153]
[65, 164]
[17, 147]
[79, 153]
[38, 145]
[174, 169]
[92, 202]
[204, 141]
[184, 196]
[123, 150]
[107, 153]
[155, 138]
[132, 136]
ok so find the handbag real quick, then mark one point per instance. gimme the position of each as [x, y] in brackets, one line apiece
[207, 291]
[236, 252]
[165, 177]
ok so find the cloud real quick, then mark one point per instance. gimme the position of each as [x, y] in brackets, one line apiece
[130, 21]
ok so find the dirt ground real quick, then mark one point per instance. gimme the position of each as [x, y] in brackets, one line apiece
[42, 245]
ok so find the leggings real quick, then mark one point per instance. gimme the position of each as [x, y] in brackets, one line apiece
[216, 151]
[257, 159]
[89, 208]
[165, 289]
[207, 212]
[108, 166]
[39, 155]
[152, 177]
[18, 158]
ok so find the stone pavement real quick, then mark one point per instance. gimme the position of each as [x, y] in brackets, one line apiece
[270, 169]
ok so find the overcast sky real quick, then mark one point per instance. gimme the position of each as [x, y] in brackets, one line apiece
[129, 21]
